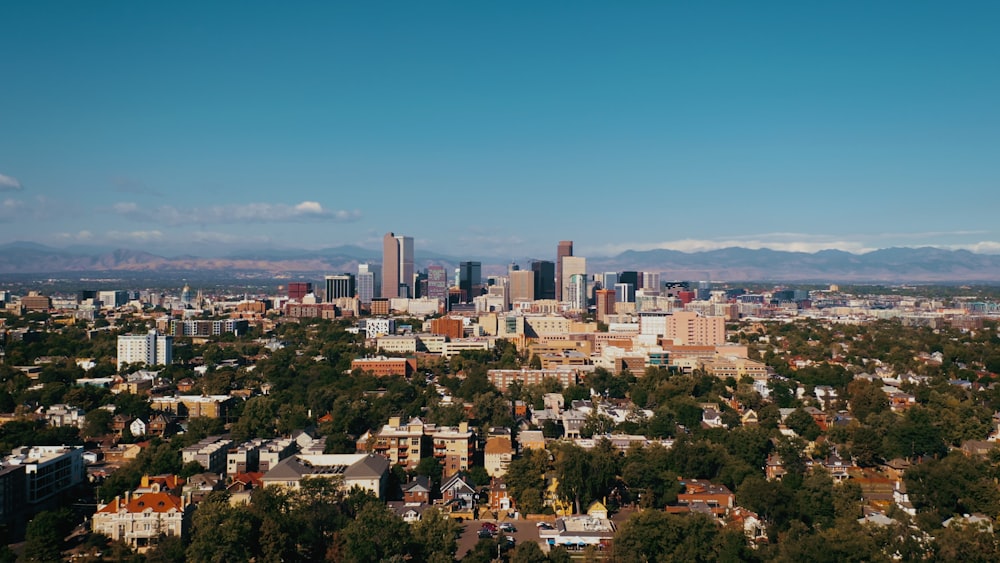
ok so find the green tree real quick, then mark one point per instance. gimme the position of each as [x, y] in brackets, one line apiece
[43, 540]
[221, 532]
[376, 534]
[803, 424]
[436, 534]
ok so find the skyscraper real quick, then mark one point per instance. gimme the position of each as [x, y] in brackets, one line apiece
[340, 286]
[470, 280]
[522, 285]
[397, 265]
[545, 279]
[576, 292]
[564, 249]
[369, 282]
[571, 266]
[437, 283]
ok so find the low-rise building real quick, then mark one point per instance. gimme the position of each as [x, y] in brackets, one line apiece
[140, 520]
[367, 471]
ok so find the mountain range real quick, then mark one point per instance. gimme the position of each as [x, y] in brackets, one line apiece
[926, 264]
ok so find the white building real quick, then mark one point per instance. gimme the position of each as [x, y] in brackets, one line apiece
[151, 349]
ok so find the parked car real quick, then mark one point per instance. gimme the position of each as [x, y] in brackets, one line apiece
[489, 526]
[486, 533]
[507, 527]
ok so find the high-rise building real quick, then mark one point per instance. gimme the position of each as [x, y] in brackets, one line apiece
[152, 349]
[470, 280]
[576, 292]
[437, 283]
[605, 303]
[298, 290]
[366, 287]
[651, 281]
[630, 278]
[397, 266]
[571, 266]
[609, 279]
[564, 249]
[340, 286]
[624, 293]
[545, 279]
[369, 282]
[522, 285]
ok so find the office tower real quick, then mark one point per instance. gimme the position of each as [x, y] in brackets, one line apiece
[651, 281]
[522, 285]
[609, 279]
[571, 266]
[152, 349]
[605, 303]
[369, 282]
[545, 279]
[366, 287]
[630, 278]
[419, 285]
[576, 292]
[340, 286]
[624, 293]
[437, 283]
[298, 290]
[564, 249]
[397, 265]
[470, 280]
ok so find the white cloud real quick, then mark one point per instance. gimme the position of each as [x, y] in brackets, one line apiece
[136, 236]
[981, 247]
[78, 236]
[9, 183]
[238, 213]
[227, 238]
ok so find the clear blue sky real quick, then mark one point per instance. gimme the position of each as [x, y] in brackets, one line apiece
[499, 128]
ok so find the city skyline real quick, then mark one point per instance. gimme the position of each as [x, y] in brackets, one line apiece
[498, 130]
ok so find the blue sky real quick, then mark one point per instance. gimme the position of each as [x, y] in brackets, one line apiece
[499, 128]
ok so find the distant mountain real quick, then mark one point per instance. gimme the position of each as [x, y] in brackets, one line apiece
[732, 264]
[926, 264]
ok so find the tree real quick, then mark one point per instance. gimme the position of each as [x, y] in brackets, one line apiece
[97, 423]
[257, 421]
[43, 538]
[526, 480]
[528, 552]
[803, 424]
[866, 397]
[436, 534]
[221, 532]
[376, 534]
[652, 535]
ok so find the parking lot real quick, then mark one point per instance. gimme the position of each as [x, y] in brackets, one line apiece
[525, 531]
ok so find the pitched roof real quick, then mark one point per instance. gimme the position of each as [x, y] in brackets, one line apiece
[155, 502]
[371, 466]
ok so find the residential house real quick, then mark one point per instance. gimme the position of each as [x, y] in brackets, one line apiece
[418, 489]
[497, 455]
[701, 495]
[137, 427]
[458, 489]
[367, 471]
[500, 499]
[410, 512]
[140, 520]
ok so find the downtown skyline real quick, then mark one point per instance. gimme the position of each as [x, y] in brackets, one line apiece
[498, 130]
